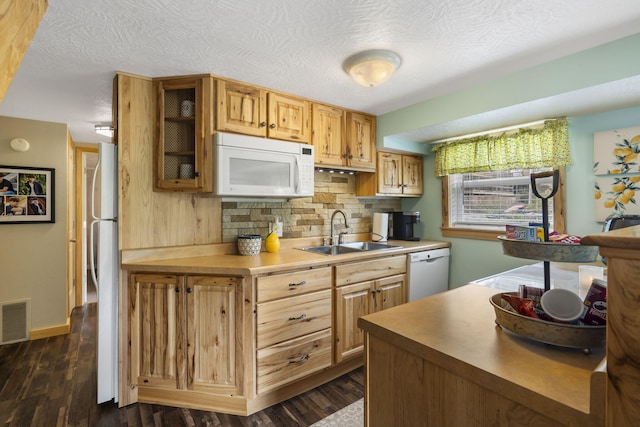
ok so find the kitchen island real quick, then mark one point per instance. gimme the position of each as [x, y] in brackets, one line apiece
[442, 361]
[203, 327]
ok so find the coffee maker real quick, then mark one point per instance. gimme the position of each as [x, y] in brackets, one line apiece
[403, 225]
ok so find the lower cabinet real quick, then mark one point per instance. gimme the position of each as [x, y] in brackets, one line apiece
[293, 317]
[363, 288]
[240, 344]
[182, 332]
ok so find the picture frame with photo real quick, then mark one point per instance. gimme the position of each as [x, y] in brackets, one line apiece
[27, 195]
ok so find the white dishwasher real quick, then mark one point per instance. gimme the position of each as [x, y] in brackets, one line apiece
[428, 273]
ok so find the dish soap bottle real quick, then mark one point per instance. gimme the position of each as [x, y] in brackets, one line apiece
[272, 242]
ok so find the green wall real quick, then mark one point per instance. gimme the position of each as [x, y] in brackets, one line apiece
[472, 259]
[603, 64]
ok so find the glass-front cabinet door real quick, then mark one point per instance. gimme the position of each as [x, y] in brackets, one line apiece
[183, 158]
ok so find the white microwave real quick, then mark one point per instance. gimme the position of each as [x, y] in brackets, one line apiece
[248, 166]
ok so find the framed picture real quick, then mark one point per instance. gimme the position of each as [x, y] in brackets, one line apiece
[26, 195]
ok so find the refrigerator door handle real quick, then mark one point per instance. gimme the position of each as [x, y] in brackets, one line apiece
[92, 262]
[93, 191]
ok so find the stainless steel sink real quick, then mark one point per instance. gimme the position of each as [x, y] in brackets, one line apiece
[346, 248]
[369, 246]
[330, 250]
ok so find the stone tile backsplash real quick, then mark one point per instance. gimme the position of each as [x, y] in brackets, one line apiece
[307, 216]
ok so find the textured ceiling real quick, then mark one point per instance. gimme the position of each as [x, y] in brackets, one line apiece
[297, 46]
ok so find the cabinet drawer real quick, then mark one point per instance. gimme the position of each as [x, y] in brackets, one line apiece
[288, 318]
[296, 283]
[370, 270]
[286, 362]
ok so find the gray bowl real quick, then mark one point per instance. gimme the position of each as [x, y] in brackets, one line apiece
[549, 251]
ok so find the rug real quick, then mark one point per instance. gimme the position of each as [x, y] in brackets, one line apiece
[349, 416]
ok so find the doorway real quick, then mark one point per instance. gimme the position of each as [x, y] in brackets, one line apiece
[86, 161]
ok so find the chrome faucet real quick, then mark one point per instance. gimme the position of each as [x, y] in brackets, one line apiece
[341, 235]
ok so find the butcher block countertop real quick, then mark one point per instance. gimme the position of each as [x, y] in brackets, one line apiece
[223, 258]
[456, 332]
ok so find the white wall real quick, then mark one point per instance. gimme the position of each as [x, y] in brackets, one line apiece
[34, 256]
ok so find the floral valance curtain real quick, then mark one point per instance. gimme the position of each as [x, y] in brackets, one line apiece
[546, 146]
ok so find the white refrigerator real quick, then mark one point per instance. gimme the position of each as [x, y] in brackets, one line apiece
[103, 235]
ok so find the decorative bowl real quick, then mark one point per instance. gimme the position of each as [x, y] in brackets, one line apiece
[549, 251]
[249, 244]
[560, 334]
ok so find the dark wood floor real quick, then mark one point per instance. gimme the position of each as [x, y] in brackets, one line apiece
[51, 382]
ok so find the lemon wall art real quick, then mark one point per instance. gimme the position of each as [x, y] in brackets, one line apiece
[616, 155]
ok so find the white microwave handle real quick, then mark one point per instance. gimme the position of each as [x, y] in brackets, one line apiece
[298, 175]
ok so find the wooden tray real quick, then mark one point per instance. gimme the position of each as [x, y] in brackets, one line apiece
[548, 251]
[575, 336]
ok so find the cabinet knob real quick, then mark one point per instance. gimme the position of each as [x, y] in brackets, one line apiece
[272, 125]
[188, 290]
[177, 290]
[263, 124]
[196, 174]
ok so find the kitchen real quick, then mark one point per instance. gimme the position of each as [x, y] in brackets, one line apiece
[470, 259]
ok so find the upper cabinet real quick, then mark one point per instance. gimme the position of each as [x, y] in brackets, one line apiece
[344, 139]
[361, 141]
[329, 136]
[255, 111]
[397, 175]
[183, 157]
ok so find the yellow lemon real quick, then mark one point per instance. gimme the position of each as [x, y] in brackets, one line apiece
[609, 203]
[635, 140]
[598, 195]
[615, 171]
[635, 179]
[628, 193]
[618, 187]
[272, 242]
[630, 157]
[622, 151]
[623, 199]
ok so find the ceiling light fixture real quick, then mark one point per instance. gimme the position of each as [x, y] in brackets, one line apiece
[105, 130]
[372, 67]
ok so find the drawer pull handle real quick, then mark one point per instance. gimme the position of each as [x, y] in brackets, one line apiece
[302, 316]
[300, 360]
[293, 285]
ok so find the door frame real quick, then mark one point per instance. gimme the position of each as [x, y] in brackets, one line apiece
[80, 208]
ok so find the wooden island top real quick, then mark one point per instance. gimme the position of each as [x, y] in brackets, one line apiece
[454, 335]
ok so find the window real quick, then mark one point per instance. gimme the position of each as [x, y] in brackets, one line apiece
[480, 204]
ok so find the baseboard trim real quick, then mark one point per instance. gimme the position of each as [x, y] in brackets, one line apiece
[53, 331]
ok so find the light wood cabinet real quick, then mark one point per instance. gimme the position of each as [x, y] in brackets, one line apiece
[156, 331]
[183, 147]
[396, 175]
[361, 141]
[344, 139]
[293, 317]
[328, 136]
[251, 110]
[363, 288]
[182, 333]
